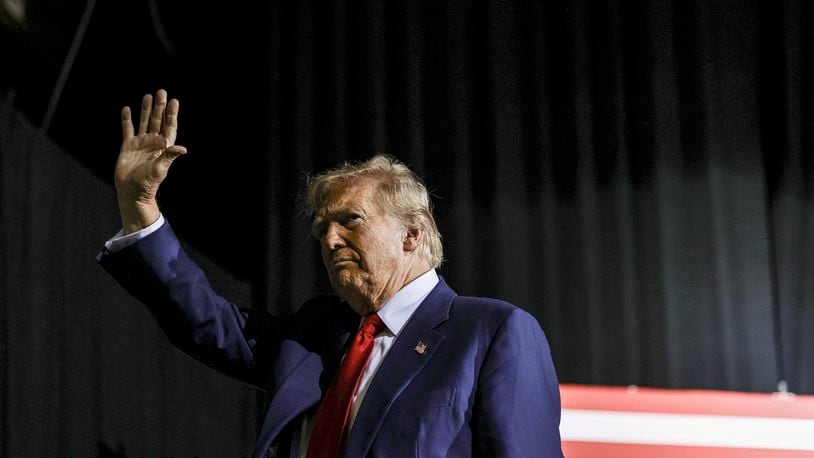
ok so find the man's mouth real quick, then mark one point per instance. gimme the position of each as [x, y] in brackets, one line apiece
[341, 262]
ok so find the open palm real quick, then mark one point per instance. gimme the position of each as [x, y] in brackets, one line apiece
[145, 157]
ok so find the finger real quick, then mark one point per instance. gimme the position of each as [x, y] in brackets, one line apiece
[170, 128]
[157, 116]
[144, 119]
[127, 124]
[171, 153]
[175, 150]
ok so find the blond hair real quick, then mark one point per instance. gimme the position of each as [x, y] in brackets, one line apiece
[403, 194]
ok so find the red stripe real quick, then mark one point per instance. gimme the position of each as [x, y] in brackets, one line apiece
[685, 401]
[573, 449]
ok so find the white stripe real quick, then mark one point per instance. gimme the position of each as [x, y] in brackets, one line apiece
[685, 429]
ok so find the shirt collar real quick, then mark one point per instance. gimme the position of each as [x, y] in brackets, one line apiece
[401, 306]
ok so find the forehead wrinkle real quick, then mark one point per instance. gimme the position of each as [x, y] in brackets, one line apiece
[354, 197]
[333, 210]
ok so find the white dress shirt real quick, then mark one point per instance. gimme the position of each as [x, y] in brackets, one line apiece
[120, 241]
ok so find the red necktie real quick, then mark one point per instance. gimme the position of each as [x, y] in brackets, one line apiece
[332, 417]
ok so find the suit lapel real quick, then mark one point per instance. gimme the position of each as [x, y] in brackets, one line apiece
[299, 376]
[295, 390]
[400, 366]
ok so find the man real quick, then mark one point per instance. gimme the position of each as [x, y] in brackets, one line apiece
[397, 365]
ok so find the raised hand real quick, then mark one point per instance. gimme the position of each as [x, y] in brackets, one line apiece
[145, 158]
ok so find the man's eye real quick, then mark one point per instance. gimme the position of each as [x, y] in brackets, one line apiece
[353, 219]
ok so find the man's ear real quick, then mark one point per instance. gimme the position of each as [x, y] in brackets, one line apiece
[412, 238]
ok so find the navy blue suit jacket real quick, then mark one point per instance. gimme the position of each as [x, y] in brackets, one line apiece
[484, 386]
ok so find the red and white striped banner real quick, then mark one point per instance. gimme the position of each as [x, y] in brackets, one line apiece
[611, 422]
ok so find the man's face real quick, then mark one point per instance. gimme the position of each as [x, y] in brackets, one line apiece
[362, 246]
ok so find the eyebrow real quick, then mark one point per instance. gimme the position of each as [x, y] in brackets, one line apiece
[329, 212]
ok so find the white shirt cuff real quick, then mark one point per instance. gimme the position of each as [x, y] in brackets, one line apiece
[119, 242]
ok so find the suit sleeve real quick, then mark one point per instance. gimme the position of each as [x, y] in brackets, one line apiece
[158, 272]
[517, 408]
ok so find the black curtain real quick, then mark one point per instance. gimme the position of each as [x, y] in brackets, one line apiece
[637, 175]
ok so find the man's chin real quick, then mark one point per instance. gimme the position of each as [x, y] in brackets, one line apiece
[343, 284]
[343, 277]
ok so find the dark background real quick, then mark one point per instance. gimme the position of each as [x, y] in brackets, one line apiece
[635, 174]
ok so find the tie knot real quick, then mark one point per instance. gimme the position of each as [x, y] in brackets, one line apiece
[372, 324]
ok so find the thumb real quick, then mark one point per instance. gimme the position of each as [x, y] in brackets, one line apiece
[172, 152]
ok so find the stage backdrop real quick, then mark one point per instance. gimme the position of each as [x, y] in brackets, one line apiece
[635, 174]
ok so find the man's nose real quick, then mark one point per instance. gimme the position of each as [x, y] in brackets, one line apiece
[332, 238]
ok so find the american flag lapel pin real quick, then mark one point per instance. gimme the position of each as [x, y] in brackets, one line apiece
[420, 348]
